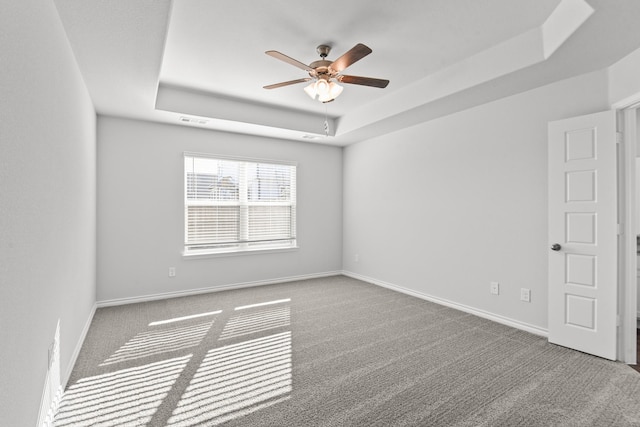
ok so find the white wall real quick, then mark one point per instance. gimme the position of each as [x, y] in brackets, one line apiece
[47, 203]
[446, 207]
[623, 78]
[141, 210]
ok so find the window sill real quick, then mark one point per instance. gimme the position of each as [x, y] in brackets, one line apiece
[216, 254]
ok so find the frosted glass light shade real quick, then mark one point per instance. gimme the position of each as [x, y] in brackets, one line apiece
[311, 90]
[335, 90]
[322, 87]
[323, 91]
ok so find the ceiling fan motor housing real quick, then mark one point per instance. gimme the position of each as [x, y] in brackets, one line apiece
[321, 66]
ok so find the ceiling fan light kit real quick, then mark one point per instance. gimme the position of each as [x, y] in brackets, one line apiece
[325, 74]
[323, 90]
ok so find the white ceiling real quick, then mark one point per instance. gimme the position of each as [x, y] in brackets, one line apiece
[204, 60]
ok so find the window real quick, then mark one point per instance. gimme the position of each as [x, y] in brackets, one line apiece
[238, 205]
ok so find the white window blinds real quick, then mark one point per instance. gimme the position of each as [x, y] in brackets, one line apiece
[236, 205]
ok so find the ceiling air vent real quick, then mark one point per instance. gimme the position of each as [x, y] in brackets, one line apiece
[193, 120]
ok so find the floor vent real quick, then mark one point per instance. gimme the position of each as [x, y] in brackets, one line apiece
[52, 393]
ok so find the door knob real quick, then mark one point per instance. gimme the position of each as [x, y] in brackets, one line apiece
[556, 247]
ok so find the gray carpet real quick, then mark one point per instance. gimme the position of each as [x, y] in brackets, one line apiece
[332, 352]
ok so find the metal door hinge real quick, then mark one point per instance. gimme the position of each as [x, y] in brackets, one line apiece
[619, 138]
[618, 322]
[620, 229]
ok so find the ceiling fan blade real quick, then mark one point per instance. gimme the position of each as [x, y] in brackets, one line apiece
[289, 60]
[290, 82]
[364, 81]
[356, 53]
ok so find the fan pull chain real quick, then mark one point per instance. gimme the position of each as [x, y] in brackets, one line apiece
[326, 122]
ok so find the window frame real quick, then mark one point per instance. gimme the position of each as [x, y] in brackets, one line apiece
[241, 248]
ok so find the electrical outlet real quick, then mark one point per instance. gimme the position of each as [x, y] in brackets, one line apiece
[172, 272]
[495, 288]
[356, 258]
[525, 294]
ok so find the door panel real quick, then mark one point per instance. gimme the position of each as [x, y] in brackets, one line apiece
[583, 222]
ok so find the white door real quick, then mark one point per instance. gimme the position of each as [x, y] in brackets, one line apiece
[583, 233]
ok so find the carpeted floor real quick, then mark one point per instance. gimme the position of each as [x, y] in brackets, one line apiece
[332, 352]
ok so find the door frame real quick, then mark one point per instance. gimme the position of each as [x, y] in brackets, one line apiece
[627, 244]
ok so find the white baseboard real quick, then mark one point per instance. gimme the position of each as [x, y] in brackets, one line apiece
[467, 309]
[76, 351]
[166, 295]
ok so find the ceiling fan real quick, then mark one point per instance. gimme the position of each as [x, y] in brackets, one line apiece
[325, 74]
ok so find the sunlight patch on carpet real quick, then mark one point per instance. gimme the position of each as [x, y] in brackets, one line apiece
[182, 318]
[236, 380]
[126, 397]
[258, 321]
[150, 343]
[262, 304]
